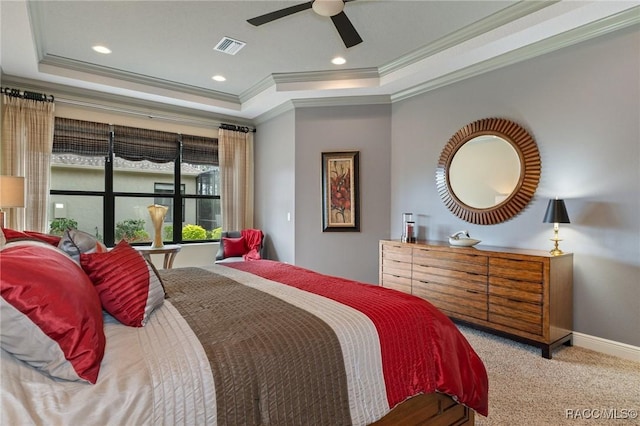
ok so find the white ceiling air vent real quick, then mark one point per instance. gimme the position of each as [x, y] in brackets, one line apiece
[229, 46]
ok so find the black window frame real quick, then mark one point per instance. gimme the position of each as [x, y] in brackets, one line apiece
[109, 197]
[163, 197]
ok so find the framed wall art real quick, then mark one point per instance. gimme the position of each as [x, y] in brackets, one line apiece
[340, 191]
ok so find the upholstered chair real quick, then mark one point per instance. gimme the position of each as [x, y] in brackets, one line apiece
[231, 247]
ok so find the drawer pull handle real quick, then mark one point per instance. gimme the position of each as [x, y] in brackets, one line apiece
[472, 291]
[522, 301]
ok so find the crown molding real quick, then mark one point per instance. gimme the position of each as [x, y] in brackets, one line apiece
[283, 82]
[303, 77]
[323, 102]
[61, 66]
[91, 99]
[586, 32]
[264, 84]
[469, 32]
[274, 112]
[342, 101]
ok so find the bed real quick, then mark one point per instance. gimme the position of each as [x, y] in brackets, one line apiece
[256, 342]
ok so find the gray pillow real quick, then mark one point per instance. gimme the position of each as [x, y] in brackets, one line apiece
[74, 242]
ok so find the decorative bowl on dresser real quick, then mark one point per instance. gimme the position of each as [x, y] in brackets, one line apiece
[525, 295]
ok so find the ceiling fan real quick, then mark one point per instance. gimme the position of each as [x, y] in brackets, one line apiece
[331, 8]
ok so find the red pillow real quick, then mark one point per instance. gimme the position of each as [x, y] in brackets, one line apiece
[128, 286]
[233, 247]
[12, 235]
[51, 313]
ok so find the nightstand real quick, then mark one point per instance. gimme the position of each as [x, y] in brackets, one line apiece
[169, 252]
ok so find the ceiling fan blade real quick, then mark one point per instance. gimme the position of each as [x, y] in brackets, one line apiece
[263, 19]
[347, 31]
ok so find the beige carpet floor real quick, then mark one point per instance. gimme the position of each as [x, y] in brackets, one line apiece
[577, 387]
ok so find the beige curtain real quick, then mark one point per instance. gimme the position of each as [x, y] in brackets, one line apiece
[27, 139]
[235, 150]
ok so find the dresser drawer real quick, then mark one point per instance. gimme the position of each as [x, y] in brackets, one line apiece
[395, 282]
[525, 291]
[463, 296]
[515, 314]
[525, 270]
[434, 257]
[396, 252]
[450, 277]
[453, 299]
[394, 267]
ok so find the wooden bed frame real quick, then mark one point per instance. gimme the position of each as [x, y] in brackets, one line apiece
[434, 409]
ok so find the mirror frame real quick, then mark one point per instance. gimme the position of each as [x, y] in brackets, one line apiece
[530, 167]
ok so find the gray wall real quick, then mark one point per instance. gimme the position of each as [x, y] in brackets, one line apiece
[342, 128]
[275, 186]
[324, 129]
[581, 104]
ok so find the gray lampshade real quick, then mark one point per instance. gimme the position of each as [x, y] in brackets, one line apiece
[556, 212]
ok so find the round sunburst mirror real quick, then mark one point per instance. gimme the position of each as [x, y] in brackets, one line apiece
[488, 171]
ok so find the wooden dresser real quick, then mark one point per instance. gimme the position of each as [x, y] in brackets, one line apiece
[526, 295]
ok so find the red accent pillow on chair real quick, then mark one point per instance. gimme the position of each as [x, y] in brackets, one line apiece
[234, 247]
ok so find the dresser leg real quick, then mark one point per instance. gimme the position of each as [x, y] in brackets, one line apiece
[547, 349]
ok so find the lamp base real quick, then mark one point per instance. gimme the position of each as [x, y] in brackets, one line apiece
[555, 251]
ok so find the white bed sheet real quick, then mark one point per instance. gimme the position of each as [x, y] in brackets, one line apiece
[153, 375]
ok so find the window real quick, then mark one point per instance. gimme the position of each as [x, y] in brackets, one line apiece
[167, 188]
[208, 210]
[105, 176]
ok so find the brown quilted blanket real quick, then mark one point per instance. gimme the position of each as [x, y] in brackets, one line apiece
[265, 369]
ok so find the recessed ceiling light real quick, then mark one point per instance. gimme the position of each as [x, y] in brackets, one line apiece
[338, 60]
[102, 49]
[219, 78]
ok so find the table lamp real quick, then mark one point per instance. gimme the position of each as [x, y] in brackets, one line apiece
[11, 194]
[556, 213]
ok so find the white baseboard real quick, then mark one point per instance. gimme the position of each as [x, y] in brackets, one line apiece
[608, 347]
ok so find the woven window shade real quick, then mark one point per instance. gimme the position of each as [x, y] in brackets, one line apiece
[136, 144]
[92, 139]
[80, 137]
[199, 150]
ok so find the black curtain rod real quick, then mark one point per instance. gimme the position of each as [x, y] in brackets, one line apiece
[16, 93]
[236, 128]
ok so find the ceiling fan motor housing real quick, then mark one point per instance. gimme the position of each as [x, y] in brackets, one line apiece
[327, 7]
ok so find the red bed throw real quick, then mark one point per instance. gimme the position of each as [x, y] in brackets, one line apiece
[253, 240]
[422, 350]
